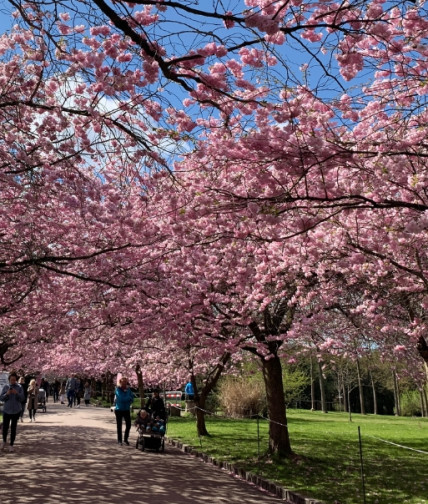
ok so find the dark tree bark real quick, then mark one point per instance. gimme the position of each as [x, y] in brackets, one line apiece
[375, 412]
[396, 394]
[313, 406]
[202, 395]
[322, 388]
[360, 388]
[422, 348]
[279, 440]
[140, 382]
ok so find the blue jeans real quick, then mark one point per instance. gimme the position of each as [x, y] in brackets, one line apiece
[70, 397]
[11, 420]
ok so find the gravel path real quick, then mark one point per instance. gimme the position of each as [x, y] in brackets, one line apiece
[71, 456]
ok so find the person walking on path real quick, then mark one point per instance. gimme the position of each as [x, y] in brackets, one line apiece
[55, 390]
[32, 393]
[87, 393]
[70, 388]
[78, 392]
[12, 395]
[189, 391]
[62, 393]
[24, 402]
[155, 405]
[44, 384]
[124, 399]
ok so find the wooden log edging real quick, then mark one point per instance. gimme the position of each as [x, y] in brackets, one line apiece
[289, 496]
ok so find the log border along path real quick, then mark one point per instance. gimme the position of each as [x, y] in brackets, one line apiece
[70, 455]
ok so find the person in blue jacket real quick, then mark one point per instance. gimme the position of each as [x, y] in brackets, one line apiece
[124, 398]
[12, 395]
[189, 391]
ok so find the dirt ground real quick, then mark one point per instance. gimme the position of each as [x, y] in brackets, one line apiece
[71, 456]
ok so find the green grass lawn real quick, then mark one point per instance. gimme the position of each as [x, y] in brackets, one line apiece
[328, 467]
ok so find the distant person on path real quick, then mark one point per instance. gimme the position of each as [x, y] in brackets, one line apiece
[70, 388]
[62, 393]
[79, 392]
[156, 406]
[55, 390]
[44, 384]
[189, 391]
[87, 393]
[124, 399]
[21, 381]
[32, 393]
[12, 395]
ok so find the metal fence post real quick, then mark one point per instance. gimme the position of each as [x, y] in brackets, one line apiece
[362, 467]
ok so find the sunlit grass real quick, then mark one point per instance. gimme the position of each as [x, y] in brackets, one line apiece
[328, 465]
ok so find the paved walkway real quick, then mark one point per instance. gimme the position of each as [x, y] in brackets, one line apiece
[71, 456]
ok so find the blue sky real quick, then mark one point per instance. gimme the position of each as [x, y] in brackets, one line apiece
[5, 19]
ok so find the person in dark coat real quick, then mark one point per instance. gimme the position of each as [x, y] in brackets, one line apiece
[21, 381]
[12, 396]
[156, 406]
[32, 396]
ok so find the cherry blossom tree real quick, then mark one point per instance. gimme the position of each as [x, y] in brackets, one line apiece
[221, 170]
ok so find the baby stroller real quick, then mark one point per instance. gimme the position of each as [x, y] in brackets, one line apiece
[151, 434]
[41, 400]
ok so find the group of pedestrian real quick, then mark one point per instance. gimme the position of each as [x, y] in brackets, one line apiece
[15, 397]
[74, 389]
[153, 414]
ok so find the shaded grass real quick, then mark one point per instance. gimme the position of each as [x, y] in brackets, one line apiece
[328, 464]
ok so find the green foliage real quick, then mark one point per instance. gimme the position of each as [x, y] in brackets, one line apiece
[410, 403]
[327, 466]
[295, 381]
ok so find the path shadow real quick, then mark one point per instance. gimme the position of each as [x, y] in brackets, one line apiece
[83, 464]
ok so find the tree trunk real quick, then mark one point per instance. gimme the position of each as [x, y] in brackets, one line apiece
[396, 394]
[374, 394]
[313, 406]
[360, 389]
[422, 347]
[140, 382]
[201, 428]
[322, 388]
[349, 403]
[201, 397]
[421, 402]
[279, 440]
[345, 396]
[424, 401]
[339, 390]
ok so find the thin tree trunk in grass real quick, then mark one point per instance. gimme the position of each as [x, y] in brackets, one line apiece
[421, 401]
[322, 388]
[313, 406]
[345, 396]
[424, 401]
[140, 382]
[360, 388]
[396, 394]
[339, 389]
[279, 440]
[374, 394]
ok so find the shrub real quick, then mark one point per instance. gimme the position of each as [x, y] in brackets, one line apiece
[241, 397]
[410, 403]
